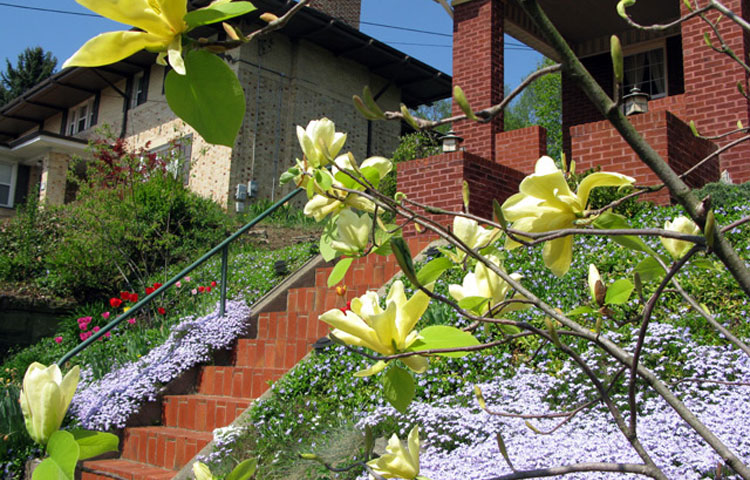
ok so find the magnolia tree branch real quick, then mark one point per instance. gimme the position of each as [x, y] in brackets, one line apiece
[667, 26]
[484, 115]
[580, 467]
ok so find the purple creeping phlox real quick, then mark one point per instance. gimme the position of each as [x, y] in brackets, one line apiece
[459, 441]
[109, 401]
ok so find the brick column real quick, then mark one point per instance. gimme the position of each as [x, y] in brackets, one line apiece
[712, 99]
[478, 69]
[54, 177]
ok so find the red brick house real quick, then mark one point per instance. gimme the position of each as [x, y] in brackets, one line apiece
[685, 79]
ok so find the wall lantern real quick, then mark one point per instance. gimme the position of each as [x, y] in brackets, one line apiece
[450, 142]
[636, 101]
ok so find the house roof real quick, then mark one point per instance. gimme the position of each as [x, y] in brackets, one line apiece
[419, 83]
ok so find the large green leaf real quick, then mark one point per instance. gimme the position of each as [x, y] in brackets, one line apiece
[338, 272]
[649, 269]
[329, 233]
[432, 271]
[473, 304]
[613, 221]
[91, 444]
[244, 471]
[583, 309]
[217, 13]
[404, 259]
[63, 454]
[443, 336]
[208, 97]
[619, 292]
[398, 388]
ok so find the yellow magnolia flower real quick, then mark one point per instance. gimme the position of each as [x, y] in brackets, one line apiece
[353, 232]
[45, 398]
[387, 331]
[202, 472]
[682, 224]
[486, 284]
[473, 235]
[399, 461]
[160, 24]
[320, 141]
[546, 203]
[334, 200]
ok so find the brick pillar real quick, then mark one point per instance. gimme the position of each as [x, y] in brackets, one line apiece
[712, 99]
[478, 69]
[54, 177]
[348, 11]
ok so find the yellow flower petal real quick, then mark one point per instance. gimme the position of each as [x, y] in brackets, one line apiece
[137, 13]
[111, 47]
[558, 254]
[601, 179]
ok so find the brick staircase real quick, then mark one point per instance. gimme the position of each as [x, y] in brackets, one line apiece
[222, 393]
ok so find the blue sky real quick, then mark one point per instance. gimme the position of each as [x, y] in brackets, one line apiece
[63, 33]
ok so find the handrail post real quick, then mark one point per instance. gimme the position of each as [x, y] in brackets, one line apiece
[224, 265]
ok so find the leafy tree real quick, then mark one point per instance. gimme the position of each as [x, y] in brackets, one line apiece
[32, 66]
[540, 104]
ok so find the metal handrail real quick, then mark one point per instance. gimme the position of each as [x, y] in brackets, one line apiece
[223, 247]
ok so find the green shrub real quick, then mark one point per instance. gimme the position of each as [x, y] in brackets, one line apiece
[412, 146]
[725, 194]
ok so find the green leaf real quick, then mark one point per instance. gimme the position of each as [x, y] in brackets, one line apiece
[398, 388]
[362, 108]
[503, 450]
[498, 213]
[619, 292]
[63, 454]
[91, 444]
[289, 175]
[338, 272]
[613, 221]
[372, 175]
[217, 13]
[383, 238]
[615, 49]
[583, 309]
[345, 180]
[704, 263]
[694, 129]
[443, 336]
[403, 258]
[473, 304]
[408, 118]
[371, 104]
[208, 97]
[460, 98]
[432, 271]
[329, 231]
[244, 470]
[622, 5]
[323, 178]
[649, 270]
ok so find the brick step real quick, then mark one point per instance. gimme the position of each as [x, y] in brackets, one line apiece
[126, 469]
[318, 300]
[201, 412]
[240, 382]
[290, 327]
[361, 274]
[271, 353]
[164, 447]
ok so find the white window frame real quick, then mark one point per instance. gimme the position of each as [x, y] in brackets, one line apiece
[12, 185]
[77, 114]
[660, 44]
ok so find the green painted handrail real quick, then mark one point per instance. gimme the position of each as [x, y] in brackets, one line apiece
[223, 247]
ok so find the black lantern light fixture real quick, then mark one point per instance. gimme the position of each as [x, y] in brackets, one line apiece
[450, 142]
[636, 101]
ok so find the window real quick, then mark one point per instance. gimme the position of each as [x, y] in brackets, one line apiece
[140, 89]
[647, 71]
[81, 117]
[7, 180]
[178, 152]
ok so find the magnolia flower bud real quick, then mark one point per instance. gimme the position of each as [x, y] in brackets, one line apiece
[45, 398]
[399, 461]
[681, 224]
[202, 472]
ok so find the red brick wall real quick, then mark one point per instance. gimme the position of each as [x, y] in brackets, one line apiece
[437, 181]
[520, 149]
[713, 101]
[348, 11]
[478, 69]
[599, 144]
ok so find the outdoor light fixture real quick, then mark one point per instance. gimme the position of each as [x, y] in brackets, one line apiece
[450, 142]
[636, 101]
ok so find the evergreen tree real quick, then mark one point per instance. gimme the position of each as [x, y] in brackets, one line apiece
[33, 66]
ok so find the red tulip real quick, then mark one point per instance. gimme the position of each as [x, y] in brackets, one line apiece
[161, 311]
[115, 302]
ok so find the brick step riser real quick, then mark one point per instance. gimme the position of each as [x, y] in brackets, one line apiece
[290, 327]
[126, 469]
[238, 382]
[277, 354]
[318, 300]
[162, 450]
[197, 413]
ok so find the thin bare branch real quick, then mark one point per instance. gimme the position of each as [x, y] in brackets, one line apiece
[580, 467]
